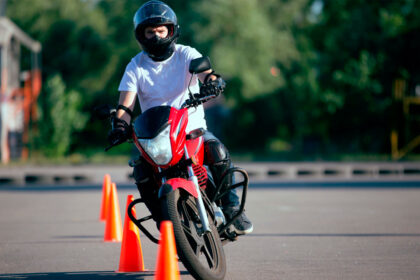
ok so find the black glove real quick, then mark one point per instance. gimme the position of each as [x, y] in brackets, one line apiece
[120, 132]
[215, 87]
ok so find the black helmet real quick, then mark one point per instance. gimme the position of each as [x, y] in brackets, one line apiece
[155, 13]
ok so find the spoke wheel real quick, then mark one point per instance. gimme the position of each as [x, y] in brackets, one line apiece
[201, 254]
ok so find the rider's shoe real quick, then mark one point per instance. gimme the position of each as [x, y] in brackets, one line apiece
[242, 225]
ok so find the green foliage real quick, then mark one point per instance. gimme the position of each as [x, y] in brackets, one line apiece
[362, 47]
[60, 118]
[73, 37]
[338, 89]
[304, 76]
[246, 40]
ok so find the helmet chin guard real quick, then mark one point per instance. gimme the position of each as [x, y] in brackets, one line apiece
[156, 13]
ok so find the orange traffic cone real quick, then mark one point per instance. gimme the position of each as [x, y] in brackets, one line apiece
[131, 258]
[167, 263]
[113, 228]
[106, 187]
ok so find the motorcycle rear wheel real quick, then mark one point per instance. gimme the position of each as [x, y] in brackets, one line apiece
[202, 255]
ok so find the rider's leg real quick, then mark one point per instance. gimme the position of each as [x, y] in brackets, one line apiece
[218, 159]
[146, 184]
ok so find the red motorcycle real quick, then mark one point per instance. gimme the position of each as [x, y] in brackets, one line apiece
[189, 197]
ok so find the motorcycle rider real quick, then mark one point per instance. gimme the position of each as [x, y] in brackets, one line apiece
[159, 76]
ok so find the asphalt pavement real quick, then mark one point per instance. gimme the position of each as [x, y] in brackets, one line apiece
[306, 231]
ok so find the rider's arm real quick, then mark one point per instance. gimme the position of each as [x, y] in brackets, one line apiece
[127, 99]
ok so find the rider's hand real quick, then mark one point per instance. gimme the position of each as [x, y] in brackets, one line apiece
[120, 132]
[214, 87]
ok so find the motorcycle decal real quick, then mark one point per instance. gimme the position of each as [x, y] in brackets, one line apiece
[179, 120]
[195, 149]
[201, 173]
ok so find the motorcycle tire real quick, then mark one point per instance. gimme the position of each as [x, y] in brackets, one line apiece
[203, 256]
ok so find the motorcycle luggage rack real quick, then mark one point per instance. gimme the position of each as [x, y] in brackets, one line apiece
[138, 222]
[218, 195]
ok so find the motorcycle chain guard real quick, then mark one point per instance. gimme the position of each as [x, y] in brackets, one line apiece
[220, 193]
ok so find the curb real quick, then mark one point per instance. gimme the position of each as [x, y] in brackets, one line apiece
[52, 175]
[262, 171]
[332, 170]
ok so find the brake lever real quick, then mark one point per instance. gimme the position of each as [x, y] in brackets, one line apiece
[198, 100]
[190, 103]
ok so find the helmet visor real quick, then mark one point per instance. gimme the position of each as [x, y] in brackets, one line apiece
[154, 13]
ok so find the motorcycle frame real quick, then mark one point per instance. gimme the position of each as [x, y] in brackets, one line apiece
[218, 194]
[192, 148]
[177, 120]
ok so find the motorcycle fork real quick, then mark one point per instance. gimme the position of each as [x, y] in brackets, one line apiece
[199, 200]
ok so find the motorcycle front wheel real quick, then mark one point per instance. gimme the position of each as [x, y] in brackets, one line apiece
[201, 254]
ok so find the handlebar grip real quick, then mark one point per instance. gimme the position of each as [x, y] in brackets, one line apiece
[198, 99]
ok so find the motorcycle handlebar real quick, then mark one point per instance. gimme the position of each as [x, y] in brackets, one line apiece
[197, 99]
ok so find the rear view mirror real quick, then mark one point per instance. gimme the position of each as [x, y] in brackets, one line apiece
[200, 65]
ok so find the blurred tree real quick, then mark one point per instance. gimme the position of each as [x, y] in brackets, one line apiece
[59, 122]
[73, 35]
[253, 45]
[247, 40]
[75, 48]
[305, 75]
[362, 47]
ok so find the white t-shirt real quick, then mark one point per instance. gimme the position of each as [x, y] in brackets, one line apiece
[165, 82]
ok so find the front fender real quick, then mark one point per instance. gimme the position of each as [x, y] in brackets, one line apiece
[178, 183]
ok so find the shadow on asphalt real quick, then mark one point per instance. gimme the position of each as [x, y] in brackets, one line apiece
[91, 275]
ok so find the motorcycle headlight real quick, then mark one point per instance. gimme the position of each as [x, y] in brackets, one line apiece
[159, 148]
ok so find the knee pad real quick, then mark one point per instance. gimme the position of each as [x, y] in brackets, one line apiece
[215, 152]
